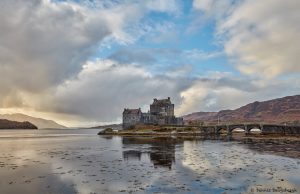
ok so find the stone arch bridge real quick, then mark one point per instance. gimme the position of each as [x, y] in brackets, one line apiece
[264, 128]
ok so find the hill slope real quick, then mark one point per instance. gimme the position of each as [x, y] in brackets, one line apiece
[39, 122]
[280, 110]
[6, 124]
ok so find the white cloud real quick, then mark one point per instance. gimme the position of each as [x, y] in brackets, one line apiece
[263, 37]
[213, 94]
[205, 11]
[181, 71]
[169, 6]
[204, 5]
[43, 42]
[260, 38]
[229, 92]
[196, 54]
[103, 88]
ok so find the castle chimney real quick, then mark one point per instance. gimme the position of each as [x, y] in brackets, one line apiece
[169, 98]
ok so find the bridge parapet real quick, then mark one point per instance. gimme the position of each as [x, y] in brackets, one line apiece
[273, 129]
[265, 128]
[209, 129]
[292, 130]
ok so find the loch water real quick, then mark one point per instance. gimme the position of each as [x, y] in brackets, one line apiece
[79, 161]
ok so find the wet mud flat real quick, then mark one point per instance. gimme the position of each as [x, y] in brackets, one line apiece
[114, 164]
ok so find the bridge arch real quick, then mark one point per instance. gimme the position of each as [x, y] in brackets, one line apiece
[238, 130]
[232, 128]
[253, 128]
[221, 128]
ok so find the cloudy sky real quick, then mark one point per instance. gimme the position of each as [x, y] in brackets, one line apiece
[80, 62]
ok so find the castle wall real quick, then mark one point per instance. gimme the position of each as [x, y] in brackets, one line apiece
[162, 107]
[131, 119]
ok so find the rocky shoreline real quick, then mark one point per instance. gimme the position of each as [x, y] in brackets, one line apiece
[239, 136]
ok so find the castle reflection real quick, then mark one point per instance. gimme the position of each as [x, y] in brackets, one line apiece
[132, 155]
[161, 151]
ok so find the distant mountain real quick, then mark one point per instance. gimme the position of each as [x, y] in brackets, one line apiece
[6, 124]
[39, 122]
[280, 110]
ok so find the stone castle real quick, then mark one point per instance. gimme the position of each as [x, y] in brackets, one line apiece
[161, 113]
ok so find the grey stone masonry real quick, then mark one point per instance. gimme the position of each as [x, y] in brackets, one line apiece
[162, 107]
[131, 117]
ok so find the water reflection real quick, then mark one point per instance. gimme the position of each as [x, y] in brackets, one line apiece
[24, 170]
[280, 147]
[161, 150]
[132, 155]
[111, 164]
